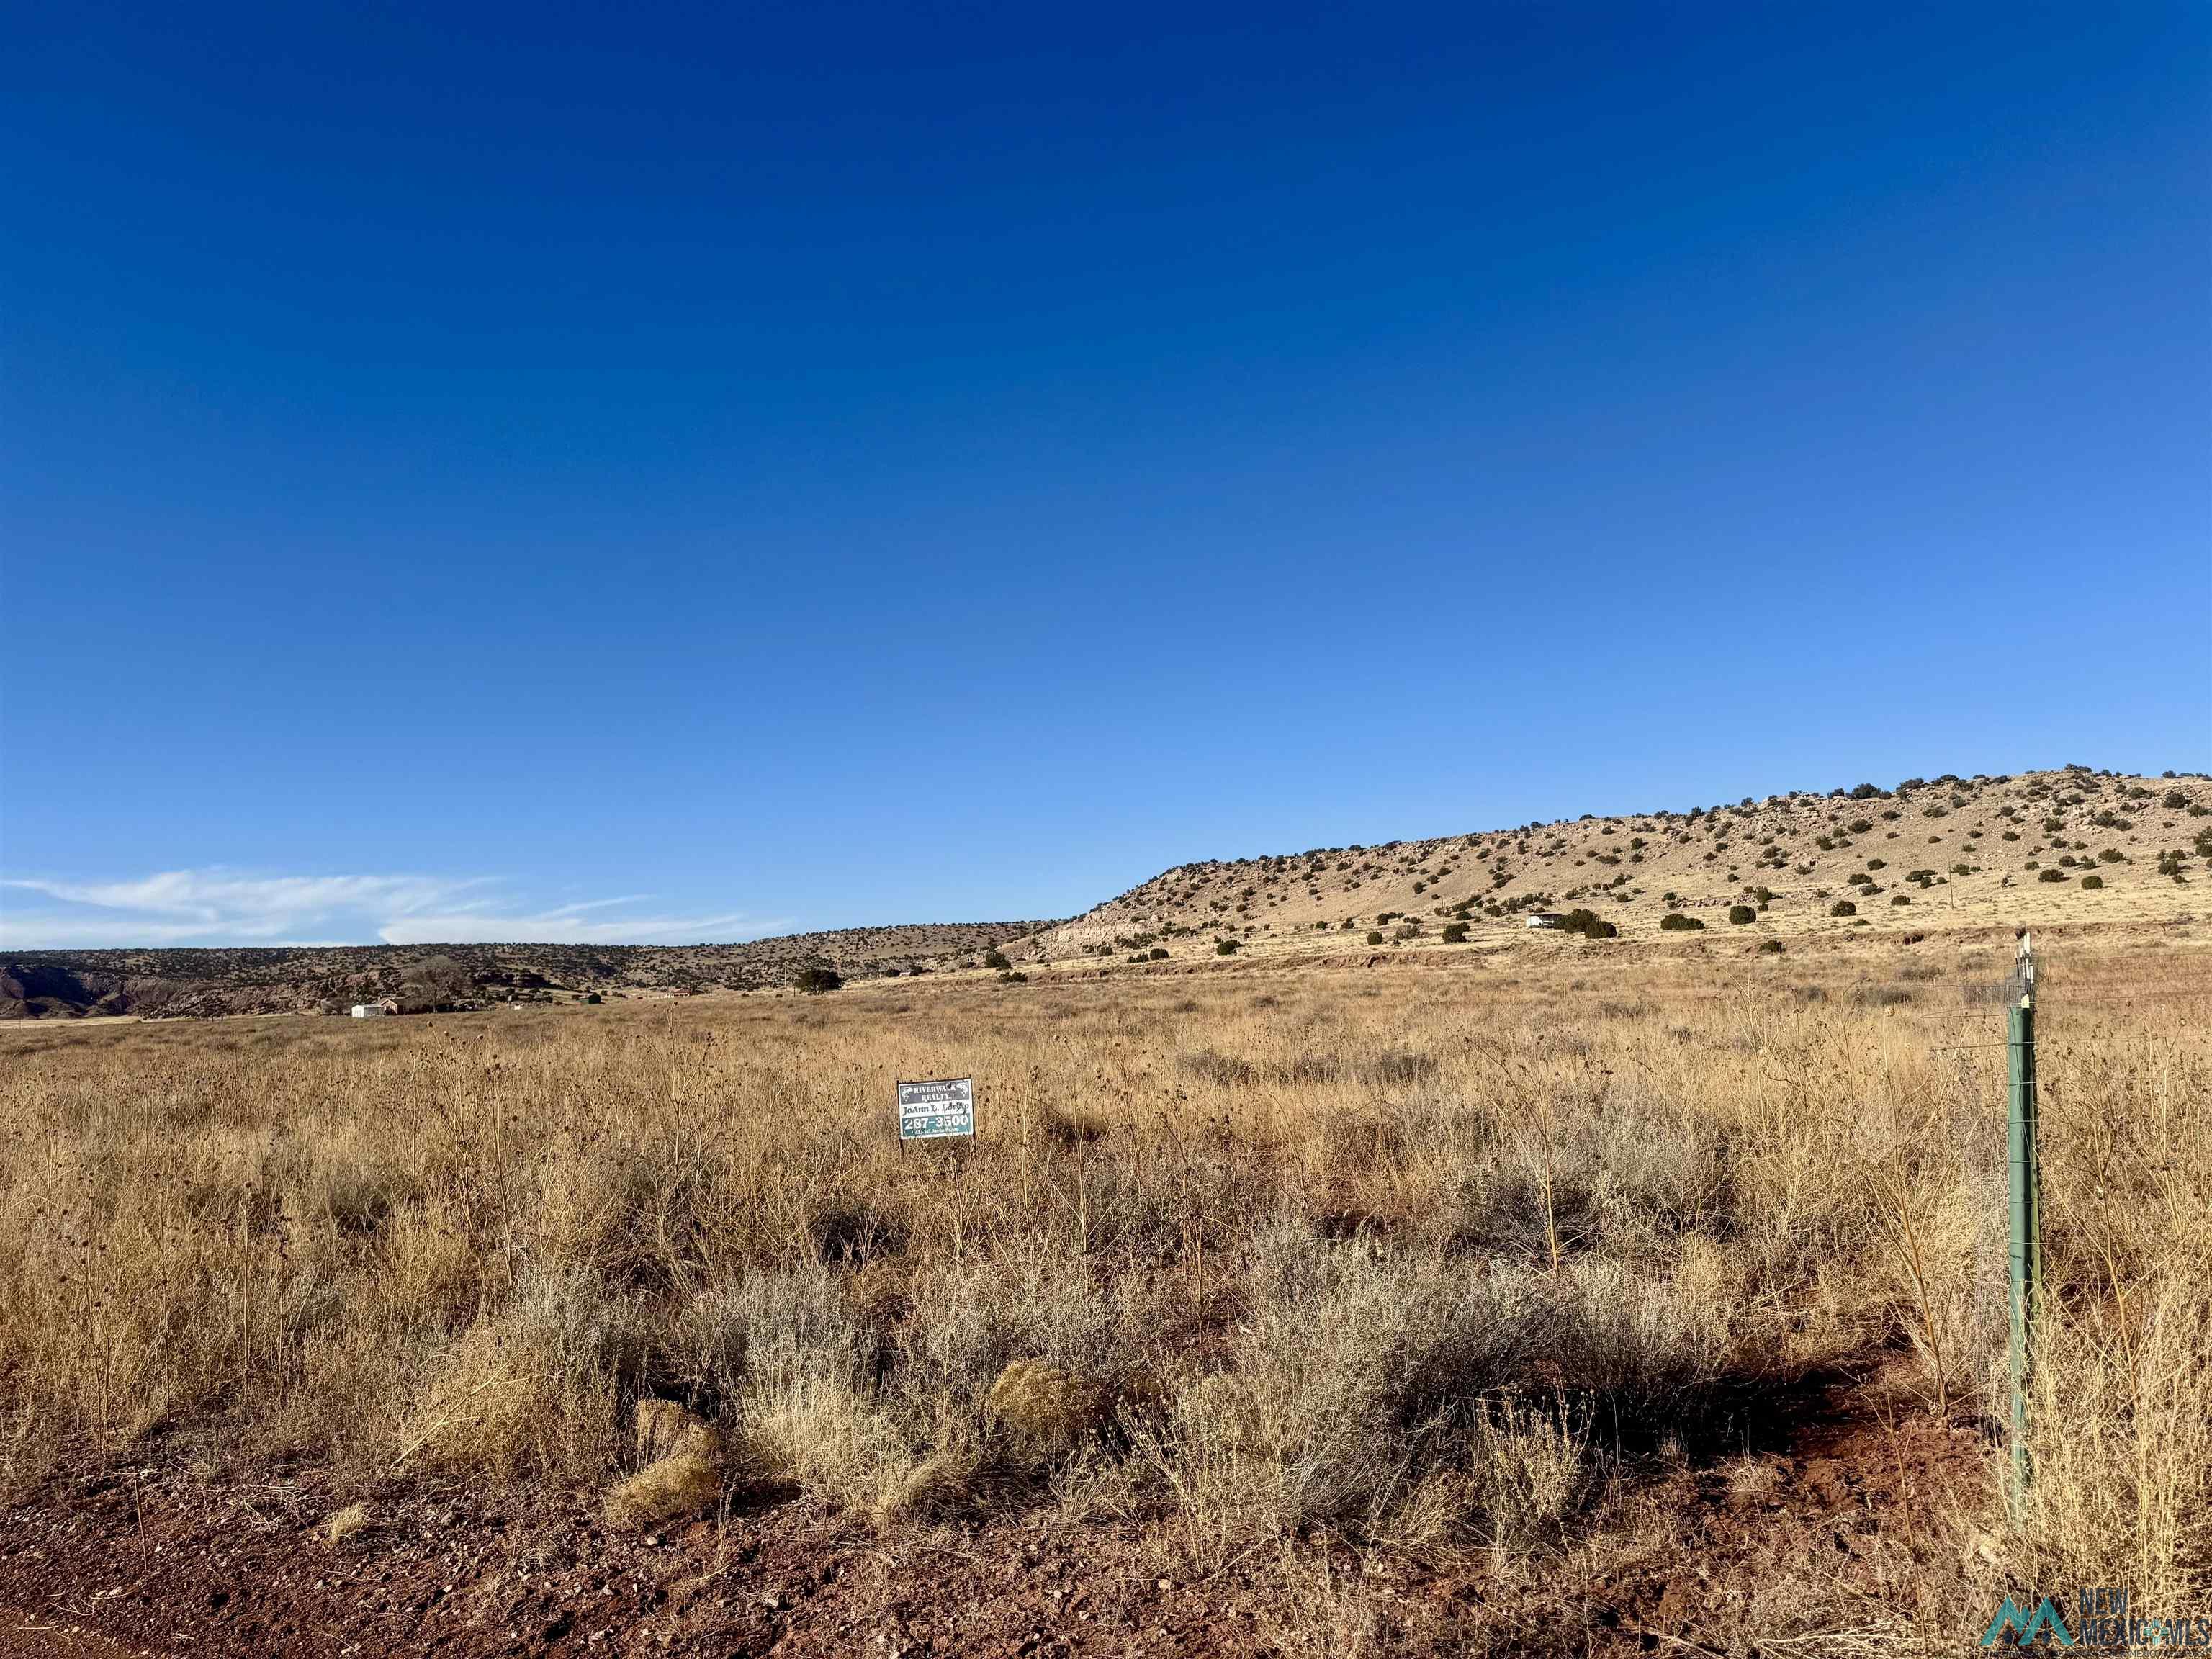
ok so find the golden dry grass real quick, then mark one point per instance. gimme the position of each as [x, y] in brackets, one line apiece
[676, 1487]
[1430, 1262]
[348, 1523]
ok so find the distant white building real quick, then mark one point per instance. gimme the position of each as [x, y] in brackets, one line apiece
[368, 1011]
[1546, 919]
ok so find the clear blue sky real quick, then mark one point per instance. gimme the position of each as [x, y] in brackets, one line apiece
[664, 473]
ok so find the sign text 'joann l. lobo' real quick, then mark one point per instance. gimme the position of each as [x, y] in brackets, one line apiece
[934, 1110]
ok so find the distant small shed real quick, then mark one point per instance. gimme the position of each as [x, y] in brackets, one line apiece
[368, 1011]
[1546, 919]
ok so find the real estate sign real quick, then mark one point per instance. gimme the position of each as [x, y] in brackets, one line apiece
[937, 1109]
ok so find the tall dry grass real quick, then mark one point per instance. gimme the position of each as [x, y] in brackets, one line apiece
[1423, 1260]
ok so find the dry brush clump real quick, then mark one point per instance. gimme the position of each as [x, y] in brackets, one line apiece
[681, 1460]
[1428, 1270]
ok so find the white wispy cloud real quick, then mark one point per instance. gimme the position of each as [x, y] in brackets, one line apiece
[229, 907]
[564, 926]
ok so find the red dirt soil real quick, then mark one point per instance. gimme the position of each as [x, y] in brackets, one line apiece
[164, 1560]
[33, 1635]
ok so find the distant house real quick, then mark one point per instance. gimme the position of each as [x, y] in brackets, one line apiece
[1546, 919]
[371, 1010]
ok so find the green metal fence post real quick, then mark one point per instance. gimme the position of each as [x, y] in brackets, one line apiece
[2024, 1255]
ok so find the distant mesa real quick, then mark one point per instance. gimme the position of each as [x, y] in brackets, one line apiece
[1949, 851]
[413, 979]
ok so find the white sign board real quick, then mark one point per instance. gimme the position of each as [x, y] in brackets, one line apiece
[935, 1111]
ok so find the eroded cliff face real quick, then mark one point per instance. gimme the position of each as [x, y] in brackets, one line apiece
[189, 982]
[37, 990]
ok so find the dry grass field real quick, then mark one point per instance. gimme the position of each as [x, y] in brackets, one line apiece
[1562, 1299]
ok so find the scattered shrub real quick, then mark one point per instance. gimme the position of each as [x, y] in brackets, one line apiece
[677, 1488]
[352, 1522]
[1740, 913]
[1040, 1412]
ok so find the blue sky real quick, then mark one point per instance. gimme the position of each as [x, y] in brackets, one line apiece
[681, 473]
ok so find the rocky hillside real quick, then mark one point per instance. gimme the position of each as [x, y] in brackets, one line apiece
[35, 984]
[2036, 847]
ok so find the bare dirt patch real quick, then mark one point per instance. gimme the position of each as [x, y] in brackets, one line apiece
[160, 1558]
